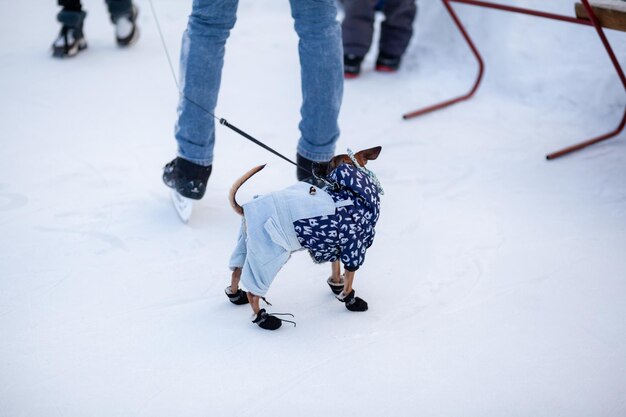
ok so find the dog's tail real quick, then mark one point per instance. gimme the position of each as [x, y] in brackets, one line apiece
[233, 202]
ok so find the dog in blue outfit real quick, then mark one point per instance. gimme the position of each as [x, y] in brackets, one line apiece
[335, 223]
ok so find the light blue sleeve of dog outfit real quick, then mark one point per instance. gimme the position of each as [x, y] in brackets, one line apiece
[238, 256]
[267, 237]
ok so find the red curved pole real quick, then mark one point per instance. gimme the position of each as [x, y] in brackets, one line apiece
[479, 77]
[593, 21]
[596, 23]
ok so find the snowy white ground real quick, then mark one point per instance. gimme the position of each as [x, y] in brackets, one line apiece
[496, 283]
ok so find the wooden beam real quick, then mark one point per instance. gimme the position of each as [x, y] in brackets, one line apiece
[610, 13]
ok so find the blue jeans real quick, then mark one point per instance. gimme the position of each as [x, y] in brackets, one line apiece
[321, 70]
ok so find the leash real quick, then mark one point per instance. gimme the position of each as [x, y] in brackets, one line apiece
[222, 121]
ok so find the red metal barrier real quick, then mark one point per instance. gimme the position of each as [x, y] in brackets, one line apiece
[593, 21]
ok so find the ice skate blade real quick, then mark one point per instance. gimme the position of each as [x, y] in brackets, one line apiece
[183, 206]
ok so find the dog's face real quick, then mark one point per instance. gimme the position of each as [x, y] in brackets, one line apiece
[323, 169]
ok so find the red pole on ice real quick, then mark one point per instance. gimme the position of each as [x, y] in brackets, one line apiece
[596, 24]
[593, 21]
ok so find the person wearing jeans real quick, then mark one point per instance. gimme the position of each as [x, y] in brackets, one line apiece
[71, 38]
[202, 59]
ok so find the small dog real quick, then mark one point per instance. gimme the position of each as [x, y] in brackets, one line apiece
[335, 224]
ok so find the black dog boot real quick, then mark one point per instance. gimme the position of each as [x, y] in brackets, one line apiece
[239, 298]
[353, 303]
[335, 287]
[267, 321]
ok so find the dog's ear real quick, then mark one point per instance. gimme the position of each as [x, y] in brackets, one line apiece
[367, 155]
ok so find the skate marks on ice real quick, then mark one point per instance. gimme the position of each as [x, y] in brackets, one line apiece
[451, 237]
[304, 378]
[11, 201]
[447, 276]
[445, 241]
[424, 170]
[110, 241]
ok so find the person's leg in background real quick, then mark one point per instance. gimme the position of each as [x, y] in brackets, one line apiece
[71, 38]
[357, 32]
[124, 16]
[395, 33]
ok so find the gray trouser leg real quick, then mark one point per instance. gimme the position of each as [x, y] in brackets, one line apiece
[73, 5]
[397, 28]
[71, 18]
[358, 26]
[119, 8]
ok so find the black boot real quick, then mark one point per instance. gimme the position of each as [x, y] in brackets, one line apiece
[266, 321]
[187, 178]
[239, 298]
[306, 169]
[335, 287]
[387, 63]
[352, 65]
[126, 31]
[269, 321]
[353, 303]
[71, 39]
